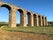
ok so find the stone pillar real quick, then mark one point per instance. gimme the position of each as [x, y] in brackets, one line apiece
[23, 19]
[29, 19]
[35, 18]
[32, 20]
[40, 20]
[37, 22]
[46, 23]
[12, 18]
[44, 20]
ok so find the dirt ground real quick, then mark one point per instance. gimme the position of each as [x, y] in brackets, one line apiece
[6, 35]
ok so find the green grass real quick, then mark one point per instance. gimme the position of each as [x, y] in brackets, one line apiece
[38, 30]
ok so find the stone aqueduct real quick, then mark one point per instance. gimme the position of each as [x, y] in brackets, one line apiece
[34, 19]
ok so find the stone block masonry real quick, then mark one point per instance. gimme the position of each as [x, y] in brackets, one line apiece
[34, 19]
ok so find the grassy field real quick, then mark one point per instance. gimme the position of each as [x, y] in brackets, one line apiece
[38, 30]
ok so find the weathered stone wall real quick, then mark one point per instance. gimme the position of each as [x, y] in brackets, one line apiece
[34, 19]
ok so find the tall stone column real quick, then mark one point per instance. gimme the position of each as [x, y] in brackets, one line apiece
[29, 19]
[32, 20]
[46, 23]
[44, 20]
[40, 20]
[23, 19]
[12, 18]
[37, 22]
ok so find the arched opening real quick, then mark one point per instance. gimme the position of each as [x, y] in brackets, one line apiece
[6, 6]
[4, 15]
[19, 17]
[34, 17]
[28, 17]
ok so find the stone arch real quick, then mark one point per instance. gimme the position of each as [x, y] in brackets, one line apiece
[12, 16]
[28, 19]
[20, 10]
[21, 16]
[7, 6]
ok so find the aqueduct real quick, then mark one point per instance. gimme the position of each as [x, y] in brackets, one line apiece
[34, 19]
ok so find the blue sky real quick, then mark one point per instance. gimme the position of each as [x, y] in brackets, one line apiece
[43, 7]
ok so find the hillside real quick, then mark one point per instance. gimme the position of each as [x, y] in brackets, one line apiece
[6, 35]
[3, 22]
[26, 33]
